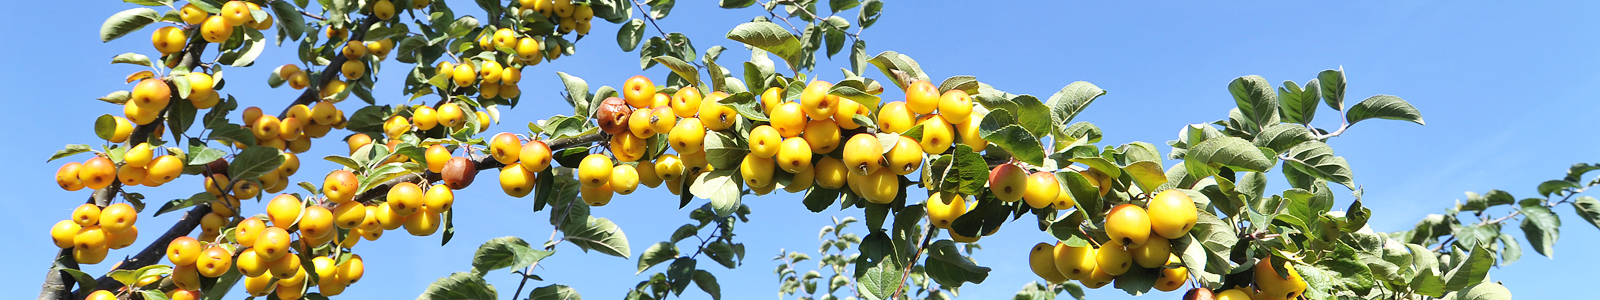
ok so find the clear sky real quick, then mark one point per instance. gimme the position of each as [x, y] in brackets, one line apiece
[1507, 92]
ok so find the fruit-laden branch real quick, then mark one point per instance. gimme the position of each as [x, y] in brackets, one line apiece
[152, 253]
[479, 164]
[56, 282]
[331, 72]
[157, 249]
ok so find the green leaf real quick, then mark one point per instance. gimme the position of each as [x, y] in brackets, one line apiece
[1575, 173]
[1297, 105]
[1428, 282]
[723, 253]
[1083, 192]
[833, 33]
[837, 6]
[177, 204]
[381, 174]
[1033, 116]
[85, 281]
[856, 90]
[1229, 151]
[746, 104]
[1316, 158]
[127, 21]
[117, 97]
[770, 37]
[1545, 188]
[289, 19]
[230, 133]
[1280, 137]
[721, 187]
[869, 13]
[947, 267]
[965, 83]
[659, 9]
[69, 150]
[1384, 107]
[505, 252]
[1542, 227]
[879, 282]
[1071, 100]
[629, 35]
[132, 59]
[1255, 99]
[685, 231]
[1147, 174]
[680, 273]
[601, 235]
[656, 254]
[577, 90]
[200, 155]
[1138, 280]
[708, 283]
[1484, 291]
[1348, 268]
[180, 116]
[568, 211]
[683, 69]
[735, 3]
[105, 126]
[1332, 82]
[1021, 144]
[968, 170]
[223, 284]
[253, 44]
[1588, 208]
[459, 286]
[1512, 250]
[900, 69]
[1469, 271]
[554, 292]
[818, 199]
[724, 151]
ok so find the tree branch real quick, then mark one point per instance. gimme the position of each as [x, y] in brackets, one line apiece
[331, 72]
[56, 283]
[927, 235]
[479, 164]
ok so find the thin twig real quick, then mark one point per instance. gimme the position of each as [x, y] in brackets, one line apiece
[313, 16]
[927, 235]
[775, 15]
[647, 16]
[1343, 124]
[524, 281]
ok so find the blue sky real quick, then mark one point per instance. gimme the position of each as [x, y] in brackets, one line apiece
[1506, 91]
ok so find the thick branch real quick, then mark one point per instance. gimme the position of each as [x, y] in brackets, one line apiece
[56, 282]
